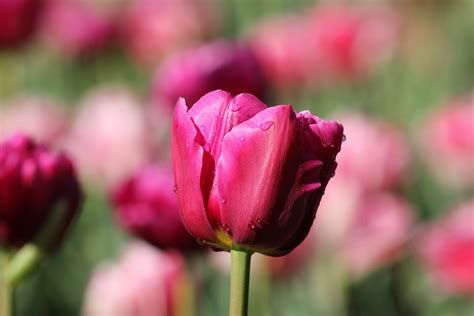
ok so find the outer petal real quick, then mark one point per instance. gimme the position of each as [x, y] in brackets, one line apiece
[250, 169]
[187, 161]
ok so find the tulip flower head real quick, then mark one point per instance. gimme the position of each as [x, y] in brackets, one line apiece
[446, 249]
[146, 205]
[250, 176]
[18, 19]
[145, 281]
[449, 143]
[84, 29]
[36, 186]
[220, 65]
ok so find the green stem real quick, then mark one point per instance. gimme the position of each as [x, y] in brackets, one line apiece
[22, 263]
[239, 282]
[5, 288]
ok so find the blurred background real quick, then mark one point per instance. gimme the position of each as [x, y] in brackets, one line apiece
[394, 234]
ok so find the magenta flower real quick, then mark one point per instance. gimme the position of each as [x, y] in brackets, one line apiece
[146, 205]
[220, 65]
[35, 185]
[18, 19]
[446, 249]
[449, 142]
[76, 28]
[156, 284]
[151, 29]
[249, 176]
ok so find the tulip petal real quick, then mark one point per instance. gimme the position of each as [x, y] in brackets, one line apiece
[188, 161]
[250, 169]
[217, 113]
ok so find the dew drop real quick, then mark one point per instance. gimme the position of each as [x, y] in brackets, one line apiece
[242, 139]
[223, 200]
[188, 145]
[259, 223]
[247, 115]
[226, 228]
[200, 241]
[175, 189]
[344, 137]
[203, 128]
[252, 226]
[333, 174]
[234, 107]
[265, 126]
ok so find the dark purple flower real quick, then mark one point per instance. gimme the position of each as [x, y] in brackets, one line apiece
[39, 193]
[146, 206]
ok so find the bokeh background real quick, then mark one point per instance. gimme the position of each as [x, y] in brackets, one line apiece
[99, 79]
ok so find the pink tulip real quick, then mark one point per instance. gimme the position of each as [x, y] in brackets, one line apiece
[152, 29]
[449, 142]
[18, 19]
[349, 42]
[76, 28]
[249, 176]
[144, 282]
[146, 205]
[446, 249]
[220, 65]
[379, 167]
[110, 137]
[377, 233]
[41, 118]
[37, 187]
[283, 50]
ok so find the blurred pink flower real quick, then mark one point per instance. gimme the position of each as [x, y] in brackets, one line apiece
[449, 142]
[18, 19]
[75, 27]
[144, 282]
[41, 118]
[146, 205]
[446, 249]
[219, 65]
[377, 233]
[349, 42]
[385, 153]
[282, 48]
[110, 137]
[154, 28]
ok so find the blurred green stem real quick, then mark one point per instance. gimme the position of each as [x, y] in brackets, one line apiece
[22, 263]
[5, 287]
[239, 282]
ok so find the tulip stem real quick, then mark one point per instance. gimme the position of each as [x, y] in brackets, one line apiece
[22, 263]
[5, 288]
[239, 282]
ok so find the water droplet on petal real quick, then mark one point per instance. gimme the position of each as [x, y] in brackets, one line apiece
[226, 228]
[265, 126]
[259, 223]
[223, 200]
[247, 115]
[252, 226]
[188, 145]
[242, 139]
[333, 174]
[203, 128]
[234, 107]
[200, 241]
[175, 189]
[344, 137]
